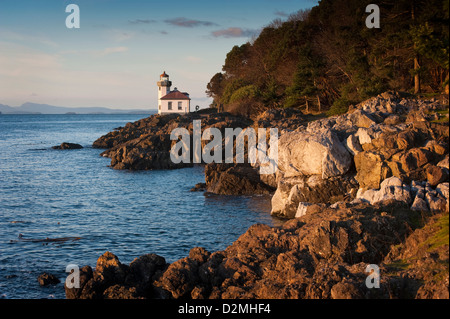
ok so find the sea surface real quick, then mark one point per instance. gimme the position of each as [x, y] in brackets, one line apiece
[74, 197]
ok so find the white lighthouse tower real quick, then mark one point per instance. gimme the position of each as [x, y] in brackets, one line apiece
[171, 101]
[164, 85]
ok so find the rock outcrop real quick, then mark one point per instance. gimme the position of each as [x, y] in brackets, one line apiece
[113, 280]
[235, 179]
[146, 144]
[386, 136]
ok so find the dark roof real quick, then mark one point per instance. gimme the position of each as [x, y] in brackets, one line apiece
[175, 95]
[164, 74]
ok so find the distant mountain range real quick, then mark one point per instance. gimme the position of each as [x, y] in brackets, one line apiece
[34, 108]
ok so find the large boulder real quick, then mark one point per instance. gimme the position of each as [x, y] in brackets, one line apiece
[109, 270]
[149, 151]
[436, 175]
[84, 290]
[443, 190]
[371, 169]
[360, 118]
[305, 154]
[142, 271]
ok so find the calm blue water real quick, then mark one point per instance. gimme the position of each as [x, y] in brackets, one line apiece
[46, 193]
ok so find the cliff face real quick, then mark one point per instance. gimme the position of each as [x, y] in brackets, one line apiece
[369, 187]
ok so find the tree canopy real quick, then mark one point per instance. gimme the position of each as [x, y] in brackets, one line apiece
[327, 53]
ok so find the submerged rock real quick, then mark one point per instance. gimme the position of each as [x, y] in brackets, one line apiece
[67, 146]
[48, 279]
[199, 187]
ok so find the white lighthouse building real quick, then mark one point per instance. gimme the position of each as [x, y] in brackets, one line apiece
[171, 101]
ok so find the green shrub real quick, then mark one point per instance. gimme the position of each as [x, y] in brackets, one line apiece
[340, 106]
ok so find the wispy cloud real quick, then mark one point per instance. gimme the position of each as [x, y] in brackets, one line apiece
[235, 32]
[189, 23]
[12, 36]
[141, 21]
[108, 51]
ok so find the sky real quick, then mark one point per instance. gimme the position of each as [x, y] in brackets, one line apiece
[116, 56]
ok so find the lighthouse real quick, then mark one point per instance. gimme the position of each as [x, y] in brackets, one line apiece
[170, 102]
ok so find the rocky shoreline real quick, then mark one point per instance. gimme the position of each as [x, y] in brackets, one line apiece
[321, 255]
[367, 187]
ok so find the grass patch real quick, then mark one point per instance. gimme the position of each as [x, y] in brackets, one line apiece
[442, 112]
[440, 238]
[398, 265]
